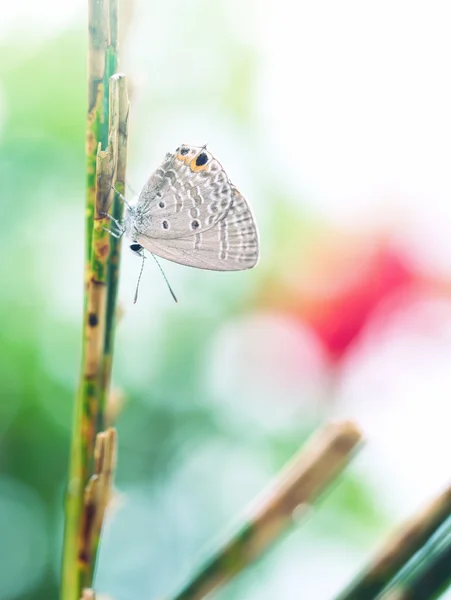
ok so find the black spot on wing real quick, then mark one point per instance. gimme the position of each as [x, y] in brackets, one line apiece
[201, 159]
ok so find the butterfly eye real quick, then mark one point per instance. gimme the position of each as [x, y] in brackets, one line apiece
[135, 247]
[165, 225]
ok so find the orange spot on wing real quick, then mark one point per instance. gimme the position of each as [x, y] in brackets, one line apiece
[194, 168]
[191, 161]
[184, 159]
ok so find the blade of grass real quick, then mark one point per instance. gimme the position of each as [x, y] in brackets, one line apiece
[427, 576]
[399, 549]
[304, 478]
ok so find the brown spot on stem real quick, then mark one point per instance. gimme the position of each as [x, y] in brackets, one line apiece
[91, 142]
[89, 514]
[103, 250]
[97, 281]
[93, 320]
[83, 558]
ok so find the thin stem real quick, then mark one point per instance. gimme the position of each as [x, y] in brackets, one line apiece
[309, 473]
[429, 576]
[399, 549]
[102, 64]
[116, 211]
[104, 126]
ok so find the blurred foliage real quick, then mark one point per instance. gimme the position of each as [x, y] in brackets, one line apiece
[170, 420]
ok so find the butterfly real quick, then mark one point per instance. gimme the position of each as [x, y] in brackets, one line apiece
[190, 213]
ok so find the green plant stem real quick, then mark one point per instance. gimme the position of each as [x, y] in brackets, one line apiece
[399, 549]
[102, 64]
[429, 576]
[116, 211]
[317, 465]
[90, 399]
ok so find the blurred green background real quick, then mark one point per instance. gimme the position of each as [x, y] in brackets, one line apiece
[340, 143]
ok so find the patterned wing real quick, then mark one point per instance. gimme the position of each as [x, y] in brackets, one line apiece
[230, 245]
[187, 195]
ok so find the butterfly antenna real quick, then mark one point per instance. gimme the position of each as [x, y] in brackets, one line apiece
[165, 278]
[135, 300]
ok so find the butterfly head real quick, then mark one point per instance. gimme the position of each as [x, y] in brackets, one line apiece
[136, 248]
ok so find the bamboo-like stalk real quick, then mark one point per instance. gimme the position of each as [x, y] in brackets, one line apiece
[116, 211]
[428, 577]
[399, 549]
[102, 64]
[99, 326]
[106, 160]
[308, 474]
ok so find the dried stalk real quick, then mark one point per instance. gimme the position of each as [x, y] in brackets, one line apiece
[96, 498]
[309, 473]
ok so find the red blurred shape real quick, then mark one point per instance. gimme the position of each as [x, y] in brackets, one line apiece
[339, 285]
[339, 319]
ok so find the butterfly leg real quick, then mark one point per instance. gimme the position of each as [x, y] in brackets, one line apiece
[116, 235]
[120, 228]
[121, 196]
[115, 221]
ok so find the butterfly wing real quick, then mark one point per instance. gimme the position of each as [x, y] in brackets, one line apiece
[231, 244]
[187, 195]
